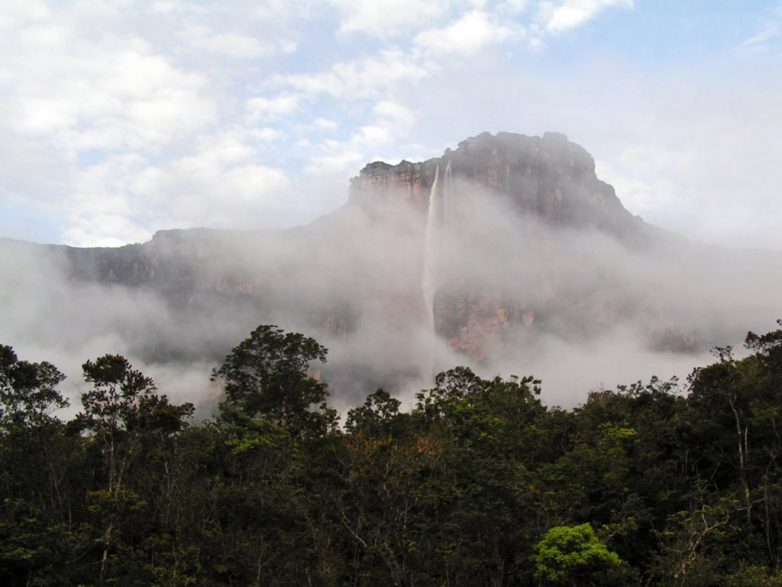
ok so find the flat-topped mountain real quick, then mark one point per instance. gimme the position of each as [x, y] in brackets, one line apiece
[520, 245]
[549, 177]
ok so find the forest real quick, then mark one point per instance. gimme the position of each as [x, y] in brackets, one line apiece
[479, 483]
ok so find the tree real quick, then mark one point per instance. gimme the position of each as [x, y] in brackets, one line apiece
[266, 376]
[28, 393]
[111, 405]
[34, 493]
[487, 432]
[121, 411]
[377, 417]
[573, 555]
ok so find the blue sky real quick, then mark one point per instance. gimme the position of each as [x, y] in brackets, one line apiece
[122, 117]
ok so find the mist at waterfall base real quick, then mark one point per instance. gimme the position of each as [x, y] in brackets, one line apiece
[601, 312]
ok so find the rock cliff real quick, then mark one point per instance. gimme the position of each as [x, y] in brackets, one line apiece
[548, 177]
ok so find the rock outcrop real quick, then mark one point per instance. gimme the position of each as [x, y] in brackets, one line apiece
[548, 177]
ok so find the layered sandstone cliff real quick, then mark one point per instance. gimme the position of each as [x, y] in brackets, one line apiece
[548, 177]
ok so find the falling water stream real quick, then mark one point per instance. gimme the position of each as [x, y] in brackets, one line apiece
[434, 219]
[427, 283]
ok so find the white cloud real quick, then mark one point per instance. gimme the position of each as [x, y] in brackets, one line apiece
[324, 125]
[261, 108]
[233, 45]
[770, 31]
[390, 121]
[266, 134]
[221, 184]
[82, 94]
[107, 109]
[279, 11]
[358, 79]
[333, 161]
[22, 12]
[399, 115]
[569, 14]
[165, 6]
[467, 35]
[100, 211]
[339, 160]
[384, 18]
[512, 6]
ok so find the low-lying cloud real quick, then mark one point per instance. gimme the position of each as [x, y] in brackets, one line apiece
[575, 306]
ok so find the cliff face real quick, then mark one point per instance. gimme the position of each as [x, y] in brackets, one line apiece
[547, 177]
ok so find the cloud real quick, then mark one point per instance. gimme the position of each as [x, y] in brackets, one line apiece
[85, 94]
[233, 45]
[569, 14]
[93, 94]
[392, 120]
[338, 159]
[332, 160]
[770, 31]
[466, 35]
[396, 114]
[220, 184]
[512, 6]
[265, 134]
[589, 309]
[22, 12]
[277, 11]
[385, 18]
[324, 125]
[359, 79]
[261, 108]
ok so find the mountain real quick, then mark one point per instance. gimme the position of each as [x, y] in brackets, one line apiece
[549, 177]
[524, 249]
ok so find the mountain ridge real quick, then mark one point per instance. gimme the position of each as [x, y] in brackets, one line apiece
[533, 248]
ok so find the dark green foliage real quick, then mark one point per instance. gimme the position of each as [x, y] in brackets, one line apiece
[478, 484]
[379, 416]
[27, 391]
[266, 376]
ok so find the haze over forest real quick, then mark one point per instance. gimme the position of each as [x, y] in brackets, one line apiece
[176, 116]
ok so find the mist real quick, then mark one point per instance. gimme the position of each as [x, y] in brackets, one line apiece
[576, 306]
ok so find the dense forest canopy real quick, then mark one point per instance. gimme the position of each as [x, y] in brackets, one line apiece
[479, 483]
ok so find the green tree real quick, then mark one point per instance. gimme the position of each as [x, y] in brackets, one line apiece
[35, 496]
[574, 556]
[121, 412]
[478, 499]
[378, 416]
[28, 393]
[267, 376]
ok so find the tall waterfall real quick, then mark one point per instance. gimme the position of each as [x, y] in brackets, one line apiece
[434, 220]
[430, 246]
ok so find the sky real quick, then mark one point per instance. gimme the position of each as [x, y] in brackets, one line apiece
[123, 117]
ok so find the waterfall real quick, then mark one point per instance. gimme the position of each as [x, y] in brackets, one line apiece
[437, 205]
[430, 245]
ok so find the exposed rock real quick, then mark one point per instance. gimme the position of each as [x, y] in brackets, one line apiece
[548, 177]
